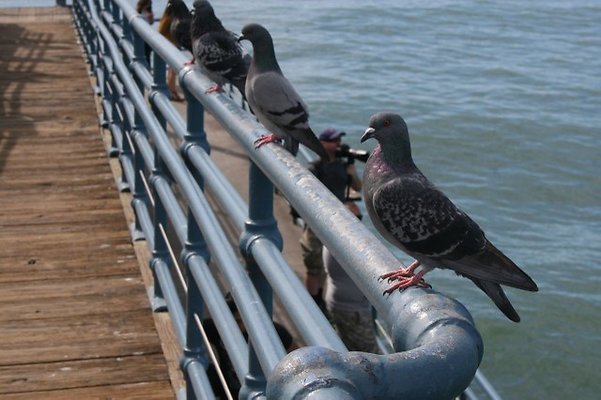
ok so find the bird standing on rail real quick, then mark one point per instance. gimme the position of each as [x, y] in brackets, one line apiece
[273, 99]
[216, 50]
[411, 213]
[179, 28]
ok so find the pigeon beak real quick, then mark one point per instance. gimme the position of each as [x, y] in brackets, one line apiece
[241, 38]
[369, 133]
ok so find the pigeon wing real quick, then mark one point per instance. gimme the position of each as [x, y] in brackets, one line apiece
[276, 99]
[426, 222]
[423, 220]
[220, 55]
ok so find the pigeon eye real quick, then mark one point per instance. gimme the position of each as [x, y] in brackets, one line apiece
[386, 122]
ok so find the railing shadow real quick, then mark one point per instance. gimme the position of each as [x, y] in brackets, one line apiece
[20, 51]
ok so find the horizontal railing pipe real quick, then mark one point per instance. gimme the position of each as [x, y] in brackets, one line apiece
[198, 379]
[172, 207]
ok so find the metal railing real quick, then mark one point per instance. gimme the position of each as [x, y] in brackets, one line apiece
[437, 346]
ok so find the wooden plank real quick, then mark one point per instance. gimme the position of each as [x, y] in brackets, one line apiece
[82, 373]
[134, 391]
[97, 336]
[80, 297]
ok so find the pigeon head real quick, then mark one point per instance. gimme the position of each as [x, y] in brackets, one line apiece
[176, 8]
[390, 130]
[204, 19]
[264, 53]
[256, 34]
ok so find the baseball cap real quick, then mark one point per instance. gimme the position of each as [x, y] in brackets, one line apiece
[330, 134]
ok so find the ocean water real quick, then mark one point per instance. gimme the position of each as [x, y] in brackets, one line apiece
[503, 104]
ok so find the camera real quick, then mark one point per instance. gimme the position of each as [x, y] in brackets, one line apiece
[351, 154]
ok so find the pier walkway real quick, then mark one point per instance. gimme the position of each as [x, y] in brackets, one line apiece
[75, 320]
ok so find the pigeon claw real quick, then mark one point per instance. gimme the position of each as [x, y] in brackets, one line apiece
[401, 272]
[264, 139]
[214, 89]
[191, 62]
[405, 282]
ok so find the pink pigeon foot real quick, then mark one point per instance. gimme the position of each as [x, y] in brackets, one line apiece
[264, 139]
[214, 89]
[191, 62]
[405, 282]
[401, 272]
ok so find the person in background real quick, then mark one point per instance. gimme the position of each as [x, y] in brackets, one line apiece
[338, 176]
[144, 8]
[164, 29]
[349, 310]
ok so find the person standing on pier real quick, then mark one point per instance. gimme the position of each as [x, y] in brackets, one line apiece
[338, 176]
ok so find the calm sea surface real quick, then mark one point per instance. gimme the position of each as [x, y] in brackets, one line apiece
[503, 104]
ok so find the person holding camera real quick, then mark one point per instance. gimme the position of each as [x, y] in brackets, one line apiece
[347, 308]
[338, 174]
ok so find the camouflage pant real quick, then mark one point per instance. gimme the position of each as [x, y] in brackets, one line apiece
[356, 329]
[312, 250]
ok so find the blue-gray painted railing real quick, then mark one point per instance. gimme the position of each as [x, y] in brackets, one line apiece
[438, 347]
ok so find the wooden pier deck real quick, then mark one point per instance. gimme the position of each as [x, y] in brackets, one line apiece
[75, 321]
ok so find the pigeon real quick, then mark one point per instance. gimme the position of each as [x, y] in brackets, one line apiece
[180, 25]
[411, 213]
[273, 99]
[176, 21]
[216, 49]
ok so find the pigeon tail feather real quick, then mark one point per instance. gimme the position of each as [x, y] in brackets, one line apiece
[311, 141]
[493, 266]
[497, 295]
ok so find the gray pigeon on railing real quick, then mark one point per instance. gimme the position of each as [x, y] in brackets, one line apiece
[180, 23]
[216, 50]
[415, 216]
[273, 99]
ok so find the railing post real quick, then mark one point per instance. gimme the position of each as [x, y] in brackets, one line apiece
[195, 243]
[160, 250]
[139, 189]
[116, 11]
[115, 119]
[261, 224]
[139, 49]
[158, 82]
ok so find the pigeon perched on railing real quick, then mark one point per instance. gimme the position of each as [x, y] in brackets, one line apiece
[216, 50]
[273, 99]
[176, 21]
[411, 213]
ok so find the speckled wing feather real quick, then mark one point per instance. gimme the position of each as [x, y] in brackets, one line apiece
[221, 57]
[424, 221]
